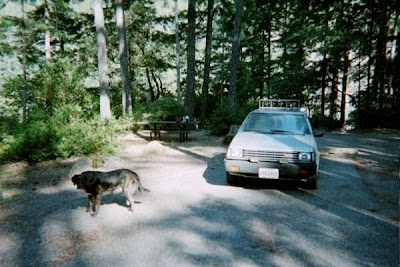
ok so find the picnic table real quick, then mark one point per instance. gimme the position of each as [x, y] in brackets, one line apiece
[158, 127]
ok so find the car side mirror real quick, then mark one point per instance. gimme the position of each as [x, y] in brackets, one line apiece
[318, 133]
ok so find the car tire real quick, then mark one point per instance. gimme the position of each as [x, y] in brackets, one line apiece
[312, 183]
[231, 179]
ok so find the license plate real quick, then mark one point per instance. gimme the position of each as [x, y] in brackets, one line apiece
[268, 173]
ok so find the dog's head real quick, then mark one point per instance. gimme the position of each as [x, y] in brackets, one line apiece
[77, 180]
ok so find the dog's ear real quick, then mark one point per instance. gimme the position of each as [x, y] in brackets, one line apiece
[75, 179]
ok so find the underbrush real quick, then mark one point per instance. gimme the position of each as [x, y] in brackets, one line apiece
[69, 131]
[224, 116]
[162, 109]
[64, 134]
[323, 122]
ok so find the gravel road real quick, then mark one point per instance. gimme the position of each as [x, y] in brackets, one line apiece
[192, 217]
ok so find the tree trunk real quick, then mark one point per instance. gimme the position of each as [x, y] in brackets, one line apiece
[369, 92]
[177, 54]
[262, 72]
[334, 93]
[161, 87]
[284, 39]
[269, 71]
[368, 88]
[24, 62]
[123, 59]
[323, 83]
[47, 33]
[259, 59]
[393, 51]
[359, 91]
[152, 95]
[222, 58]
[396, 69]
[157, 85]
[344, 88]
[207, 63]
[191, 64]
[324, 65]
[378, 82]
[235, 52]
[105, 110]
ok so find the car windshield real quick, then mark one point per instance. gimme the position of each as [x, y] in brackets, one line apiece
[276, 123]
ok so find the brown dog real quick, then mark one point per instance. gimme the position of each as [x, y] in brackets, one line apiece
[96, 182]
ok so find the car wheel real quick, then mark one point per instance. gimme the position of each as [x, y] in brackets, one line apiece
[312, 183]
[231, 179]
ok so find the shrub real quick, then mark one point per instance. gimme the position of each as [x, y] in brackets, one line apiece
[318, 121]
[82, 137]
[166, 108]
[77, 135]
[66, 133]
[33, 142]
[225, 116]
[10, 148]
[386, 118]
[8, 125]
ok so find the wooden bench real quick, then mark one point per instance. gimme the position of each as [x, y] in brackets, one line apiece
[158, 127]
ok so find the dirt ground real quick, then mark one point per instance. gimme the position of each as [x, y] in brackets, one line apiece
[376, 156]
[34, 198]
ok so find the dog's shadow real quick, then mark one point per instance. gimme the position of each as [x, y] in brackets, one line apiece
[118, 199]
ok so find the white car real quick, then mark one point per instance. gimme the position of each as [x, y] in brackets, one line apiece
[276, 142]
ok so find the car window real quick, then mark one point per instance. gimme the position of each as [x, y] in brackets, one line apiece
[276, 123]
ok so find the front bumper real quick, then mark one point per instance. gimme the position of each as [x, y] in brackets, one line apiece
[287, 171]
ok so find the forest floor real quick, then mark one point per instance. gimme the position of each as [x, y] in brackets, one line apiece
[43, 223]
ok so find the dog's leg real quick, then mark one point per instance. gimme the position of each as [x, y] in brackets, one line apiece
[97, 205]
[129, 198]
[90, 205]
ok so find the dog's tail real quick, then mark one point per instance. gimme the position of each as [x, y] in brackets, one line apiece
[141, 188]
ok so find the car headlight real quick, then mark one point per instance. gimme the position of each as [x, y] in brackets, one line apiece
[235, 153]
[305, 156]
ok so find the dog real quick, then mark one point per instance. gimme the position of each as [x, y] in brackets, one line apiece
[95, 183]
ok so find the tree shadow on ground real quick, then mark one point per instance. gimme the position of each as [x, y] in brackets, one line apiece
[40, 197]
[28, 220]
[263, 227]
[266, 229]
[376, 149]
[348, 208]
[38, 224]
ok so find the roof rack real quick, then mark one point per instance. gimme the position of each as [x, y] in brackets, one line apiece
[282, 104]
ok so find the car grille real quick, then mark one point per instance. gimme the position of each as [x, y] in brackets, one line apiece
[270, 156]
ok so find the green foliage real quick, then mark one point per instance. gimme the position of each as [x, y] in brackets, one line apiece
[224, 116]
[386, 118]
[32, 142]
[166, 109]
[318, 121]
[8, 125]
[52, 86]
[61, 118]
[65, 133]
[59, 83]
[283, 47]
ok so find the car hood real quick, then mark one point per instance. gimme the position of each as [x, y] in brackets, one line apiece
[274, 142]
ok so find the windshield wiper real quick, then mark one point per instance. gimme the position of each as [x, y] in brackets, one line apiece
[257, 131]
[281, 131]
[275, 131]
